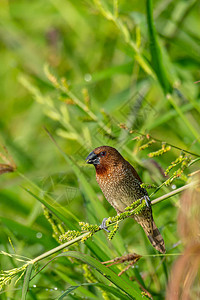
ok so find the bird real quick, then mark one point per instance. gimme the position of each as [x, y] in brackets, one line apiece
[121, 186]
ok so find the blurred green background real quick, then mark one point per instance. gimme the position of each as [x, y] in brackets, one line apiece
[117, 72]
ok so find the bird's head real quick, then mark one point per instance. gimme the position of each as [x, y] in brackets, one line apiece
[104, 158]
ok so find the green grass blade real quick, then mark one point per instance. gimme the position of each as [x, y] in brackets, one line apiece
[26, 281]
[104, 287]
[72, 288]
[55, 211]
[116, 292]
[83, 291]
[50, 200]
[156, 55]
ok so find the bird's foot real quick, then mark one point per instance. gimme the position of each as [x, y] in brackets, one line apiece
[147, 200]
[103, 225]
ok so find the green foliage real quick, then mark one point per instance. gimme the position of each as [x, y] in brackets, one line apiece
[95, 72]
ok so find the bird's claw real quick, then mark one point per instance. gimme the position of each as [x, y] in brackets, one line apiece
[103, 225]
[147, 200]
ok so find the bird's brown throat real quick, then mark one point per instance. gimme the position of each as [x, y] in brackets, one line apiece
[104, 171]
[101, 170]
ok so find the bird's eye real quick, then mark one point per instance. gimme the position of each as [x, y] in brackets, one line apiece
[103, 153]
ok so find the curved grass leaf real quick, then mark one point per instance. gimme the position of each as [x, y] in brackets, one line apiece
[55, 211]
[113, 290]
[82, 291]
[126, 286]
[72, 288]
[104, 287]
[26, 281]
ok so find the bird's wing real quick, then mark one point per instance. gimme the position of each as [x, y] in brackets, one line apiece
[135, 174]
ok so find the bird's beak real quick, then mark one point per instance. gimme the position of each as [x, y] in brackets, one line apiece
[92, 159]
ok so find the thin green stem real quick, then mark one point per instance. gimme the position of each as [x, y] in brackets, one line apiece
[60, 247]
[173, 146]
[158, 188]
[170, 194]
[193, 161]
[84, 107]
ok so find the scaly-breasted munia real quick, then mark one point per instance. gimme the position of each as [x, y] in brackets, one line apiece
[121, 186]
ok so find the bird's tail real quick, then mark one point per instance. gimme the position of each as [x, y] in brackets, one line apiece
[151, 230]
[156, 238]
